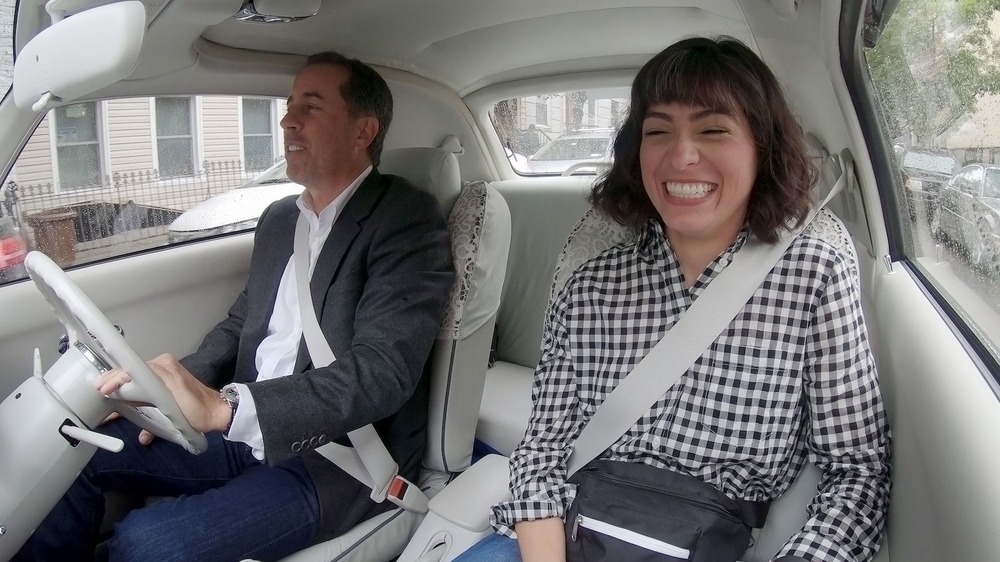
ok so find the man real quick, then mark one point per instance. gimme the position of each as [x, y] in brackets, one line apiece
[380, 274]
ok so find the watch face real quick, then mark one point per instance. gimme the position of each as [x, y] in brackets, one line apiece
[231, 393]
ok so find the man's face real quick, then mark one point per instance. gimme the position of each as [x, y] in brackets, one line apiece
[324, 146]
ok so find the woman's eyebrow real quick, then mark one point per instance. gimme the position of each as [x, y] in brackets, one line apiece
[700, 114]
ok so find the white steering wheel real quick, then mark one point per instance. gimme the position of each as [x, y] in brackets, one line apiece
[91, 332]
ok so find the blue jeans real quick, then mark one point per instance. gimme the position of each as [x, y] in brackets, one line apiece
[493, 548]
[226, 505]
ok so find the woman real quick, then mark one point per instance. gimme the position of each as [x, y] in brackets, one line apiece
[709, 156]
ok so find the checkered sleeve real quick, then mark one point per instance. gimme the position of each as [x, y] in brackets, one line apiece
[538, 464]
[848, 432]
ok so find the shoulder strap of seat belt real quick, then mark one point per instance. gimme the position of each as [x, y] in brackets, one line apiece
[687, 339]
[368, 460]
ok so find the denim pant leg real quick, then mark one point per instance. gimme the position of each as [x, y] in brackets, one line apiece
[70, 530]
[493, 548]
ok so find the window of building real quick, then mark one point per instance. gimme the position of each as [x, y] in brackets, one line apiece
[78, 147]
[541, 112]
[174, 141]
[258, 133]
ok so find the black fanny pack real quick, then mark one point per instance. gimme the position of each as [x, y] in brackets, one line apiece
[636, 512]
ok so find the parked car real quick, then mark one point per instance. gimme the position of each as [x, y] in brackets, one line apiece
[925, 172]
[968, 213]
[557, 155]
[207, 85]
[234, 210]
[13, 248]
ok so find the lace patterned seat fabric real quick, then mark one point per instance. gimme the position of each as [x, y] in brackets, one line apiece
[593, 234]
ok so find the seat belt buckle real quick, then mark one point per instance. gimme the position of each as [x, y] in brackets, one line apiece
[407, 495]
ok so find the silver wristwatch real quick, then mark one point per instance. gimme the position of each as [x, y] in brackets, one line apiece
[230, 394]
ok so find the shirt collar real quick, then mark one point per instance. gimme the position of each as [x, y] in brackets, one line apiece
[653, 247]
[329, 214]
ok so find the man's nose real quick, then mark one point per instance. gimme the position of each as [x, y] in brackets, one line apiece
[288, 121]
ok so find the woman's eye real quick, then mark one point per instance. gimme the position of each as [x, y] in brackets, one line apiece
[653, 132]
[714, 131]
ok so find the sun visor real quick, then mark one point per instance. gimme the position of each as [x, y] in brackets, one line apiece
[79, 55]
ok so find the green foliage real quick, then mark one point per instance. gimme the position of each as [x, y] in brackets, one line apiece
[934, 60]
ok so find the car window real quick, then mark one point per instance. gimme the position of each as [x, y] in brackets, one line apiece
[992, 186]
[937, 77]
[104, 178]
[547, 133]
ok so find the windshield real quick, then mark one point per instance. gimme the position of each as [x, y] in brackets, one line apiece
[549, 132]
[6, 45]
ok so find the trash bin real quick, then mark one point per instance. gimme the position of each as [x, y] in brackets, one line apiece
[55, 234]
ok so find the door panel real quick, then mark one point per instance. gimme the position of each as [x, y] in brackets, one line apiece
[164, 300]
[944, 417]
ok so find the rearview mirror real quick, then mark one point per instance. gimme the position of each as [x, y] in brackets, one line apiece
[79, 55]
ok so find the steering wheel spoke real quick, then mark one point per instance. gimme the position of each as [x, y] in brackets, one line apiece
[86, 324]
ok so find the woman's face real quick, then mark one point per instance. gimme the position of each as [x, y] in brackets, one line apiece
[698, 167]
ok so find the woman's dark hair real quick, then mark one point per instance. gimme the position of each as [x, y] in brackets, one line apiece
[365, 92]
[715, 73]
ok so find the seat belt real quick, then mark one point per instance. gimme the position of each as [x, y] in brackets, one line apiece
[368, 461]
[688, 339]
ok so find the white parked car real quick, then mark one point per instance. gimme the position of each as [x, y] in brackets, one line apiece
[234, 210]
[101, 111]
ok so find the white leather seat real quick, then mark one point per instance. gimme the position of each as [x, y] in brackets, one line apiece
[480, 229]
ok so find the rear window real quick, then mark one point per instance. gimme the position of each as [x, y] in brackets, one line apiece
[560, 132]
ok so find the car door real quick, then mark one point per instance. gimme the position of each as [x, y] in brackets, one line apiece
[949, 202]
[936, 318]
[969, 189]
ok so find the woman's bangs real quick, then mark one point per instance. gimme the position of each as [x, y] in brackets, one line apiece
[689, 81]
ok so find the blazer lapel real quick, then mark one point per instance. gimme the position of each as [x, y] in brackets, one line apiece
[345, 229]
[343, 233]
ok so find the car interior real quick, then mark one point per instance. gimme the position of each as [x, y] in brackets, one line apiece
[933, 313]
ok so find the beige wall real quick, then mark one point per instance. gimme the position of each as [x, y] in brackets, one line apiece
[220, 128]
[129, 139]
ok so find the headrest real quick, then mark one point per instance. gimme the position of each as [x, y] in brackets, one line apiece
[479, 226]
[430, 169]
[593, 234]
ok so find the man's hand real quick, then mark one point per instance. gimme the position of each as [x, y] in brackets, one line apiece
[202, 406]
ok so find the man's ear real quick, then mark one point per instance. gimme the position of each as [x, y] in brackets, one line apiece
[367, 131]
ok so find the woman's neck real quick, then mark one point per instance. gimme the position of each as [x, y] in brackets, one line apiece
[694, 253]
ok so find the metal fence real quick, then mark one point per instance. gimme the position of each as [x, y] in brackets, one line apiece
[133, 206]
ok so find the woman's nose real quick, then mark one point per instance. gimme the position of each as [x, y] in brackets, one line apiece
[683, 152]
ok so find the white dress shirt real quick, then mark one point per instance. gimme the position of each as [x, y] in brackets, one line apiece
[277, 352]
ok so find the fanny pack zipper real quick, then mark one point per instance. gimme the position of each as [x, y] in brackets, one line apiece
[628, 536]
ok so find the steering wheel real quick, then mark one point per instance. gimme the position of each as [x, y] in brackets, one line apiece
[91, 332]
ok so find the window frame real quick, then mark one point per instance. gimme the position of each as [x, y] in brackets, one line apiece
[103, 150]
[275, 124]
[889, 188]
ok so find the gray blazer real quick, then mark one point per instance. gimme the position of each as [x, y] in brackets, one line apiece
[380, 288]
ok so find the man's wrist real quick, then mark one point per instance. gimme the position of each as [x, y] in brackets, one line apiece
[230, 397]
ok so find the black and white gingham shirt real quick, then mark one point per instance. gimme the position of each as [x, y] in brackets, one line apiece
[791, 378]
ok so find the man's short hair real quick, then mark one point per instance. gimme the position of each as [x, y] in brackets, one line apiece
[366, 94]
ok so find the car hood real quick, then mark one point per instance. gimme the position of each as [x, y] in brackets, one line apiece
[235, 206]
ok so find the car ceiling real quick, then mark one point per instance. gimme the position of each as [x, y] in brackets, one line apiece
[463, 45]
